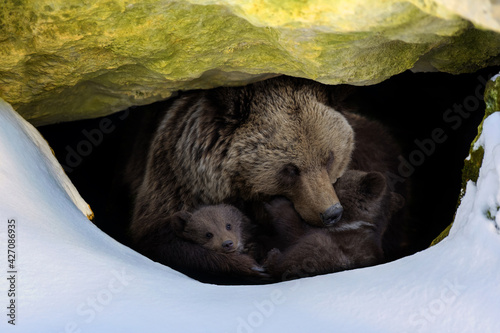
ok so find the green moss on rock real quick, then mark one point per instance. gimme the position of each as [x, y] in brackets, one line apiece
[442, 235]
[470, 171]
[492, 97]
[72, 59]
[451, 58]
[472, 165]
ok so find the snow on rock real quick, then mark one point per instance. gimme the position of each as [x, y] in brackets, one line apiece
[71, 277]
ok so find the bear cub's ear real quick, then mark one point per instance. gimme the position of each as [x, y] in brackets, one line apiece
[372, 185]
[179, 221]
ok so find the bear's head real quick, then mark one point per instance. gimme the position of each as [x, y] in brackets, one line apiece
[367, 197]
[217, 228]
[293, 145]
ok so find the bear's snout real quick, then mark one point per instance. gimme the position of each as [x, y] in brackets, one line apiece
[315, 199]
[332, 215]
[228, 245]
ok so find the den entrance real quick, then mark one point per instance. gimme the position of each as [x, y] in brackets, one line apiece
[433, 116]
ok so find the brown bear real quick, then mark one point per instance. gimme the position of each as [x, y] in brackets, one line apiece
[355, 241]
[218, 228]
[221, 228]
[220, 235]
[376, 150]
[240, 145]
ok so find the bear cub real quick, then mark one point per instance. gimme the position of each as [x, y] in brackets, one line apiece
[217, 228]
[210, 244]
[355, 241]
[245, 145]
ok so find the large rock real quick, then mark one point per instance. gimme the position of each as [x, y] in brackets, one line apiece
[474, 161]
[63, 60]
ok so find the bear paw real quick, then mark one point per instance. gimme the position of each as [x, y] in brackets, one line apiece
[272, 257]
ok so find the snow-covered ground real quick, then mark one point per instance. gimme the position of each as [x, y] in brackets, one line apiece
[71, 277]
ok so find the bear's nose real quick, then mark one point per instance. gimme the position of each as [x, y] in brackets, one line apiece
[227, 245]
[332, 215]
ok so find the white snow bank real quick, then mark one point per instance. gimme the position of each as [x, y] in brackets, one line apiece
[71, 277]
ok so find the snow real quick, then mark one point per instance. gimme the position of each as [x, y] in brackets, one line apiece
[71, 277]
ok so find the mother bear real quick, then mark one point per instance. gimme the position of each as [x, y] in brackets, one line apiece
[239, 144]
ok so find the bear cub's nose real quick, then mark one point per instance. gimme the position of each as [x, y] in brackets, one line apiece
[332, 215]
[227, 245]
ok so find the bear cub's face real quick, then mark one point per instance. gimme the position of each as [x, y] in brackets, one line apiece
[217, 228]
[366, 197]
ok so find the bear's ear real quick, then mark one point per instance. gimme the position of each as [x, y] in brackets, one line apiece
[339, 98]
[179, 221]
[372, 185]
[229, 105]
[397, 202]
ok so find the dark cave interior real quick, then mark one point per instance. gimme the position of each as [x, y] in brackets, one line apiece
[434, 117]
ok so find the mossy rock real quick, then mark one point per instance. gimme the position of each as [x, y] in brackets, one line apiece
[476, 153]
[72, 59]
[472, 164]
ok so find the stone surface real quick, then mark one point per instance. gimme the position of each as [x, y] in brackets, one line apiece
[472, 164]
[66, 60]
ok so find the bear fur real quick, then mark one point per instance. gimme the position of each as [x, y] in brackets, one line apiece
[240, 145]
[355, 241]
[376, 151]
[181, 243]
[274, 137]
[218, 228]
[244, 146]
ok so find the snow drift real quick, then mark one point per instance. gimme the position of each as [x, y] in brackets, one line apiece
[68, 276]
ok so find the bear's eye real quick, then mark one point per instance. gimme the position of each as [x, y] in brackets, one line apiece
[289, 173]
[209, 235]
[228, 226]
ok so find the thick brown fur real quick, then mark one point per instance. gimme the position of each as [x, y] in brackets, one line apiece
[376, 150]
[179, 243]
[355, 241]
[243, 144]
[220, 228]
